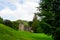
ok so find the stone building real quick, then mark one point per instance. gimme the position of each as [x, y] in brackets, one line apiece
[23, 27]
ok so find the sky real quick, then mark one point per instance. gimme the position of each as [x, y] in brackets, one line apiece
[18, 9]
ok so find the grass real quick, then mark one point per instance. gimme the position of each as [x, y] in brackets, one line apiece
[7, 33]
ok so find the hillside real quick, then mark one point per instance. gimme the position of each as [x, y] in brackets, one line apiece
[7, 33]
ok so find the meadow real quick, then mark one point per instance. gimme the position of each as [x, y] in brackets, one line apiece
[7, 33]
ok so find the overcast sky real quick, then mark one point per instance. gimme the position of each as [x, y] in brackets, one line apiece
[18, 9]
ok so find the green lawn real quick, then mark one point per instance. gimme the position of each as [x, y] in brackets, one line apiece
[7, 33]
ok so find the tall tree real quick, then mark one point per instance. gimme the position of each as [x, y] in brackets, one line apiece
[34, 24]
[49, 10]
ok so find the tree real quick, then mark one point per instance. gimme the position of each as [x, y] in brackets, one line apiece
[30, 23]
[15, 25]
[49, 11]
[1, 20]
[8, 23]
[34, 23]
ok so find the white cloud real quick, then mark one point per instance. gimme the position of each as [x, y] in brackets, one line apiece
[24, 11]
[32, 1]
[12, 1]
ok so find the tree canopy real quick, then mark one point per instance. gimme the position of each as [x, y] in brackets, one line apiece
[49, 11]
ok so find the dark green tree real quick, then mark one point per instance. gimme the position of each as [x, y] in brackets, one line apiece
[56, 10]
[30, 23]
[1, 20]
[15, 25]
[34, 23]
[8, 23]
[49, 11]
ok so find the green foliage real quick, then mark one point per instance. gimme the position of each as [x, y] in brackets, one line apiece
[50, 11]
[8, 33]
[39, 30]
[17, 22]
[15, 25]
[1, 20]
[47, 28]
[30, 23]
[8, 23]
[25, 23]
[35, 22]
[37, 27]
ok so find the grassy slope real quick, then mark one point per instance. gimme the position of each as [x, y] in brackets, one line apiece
[7, 33]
